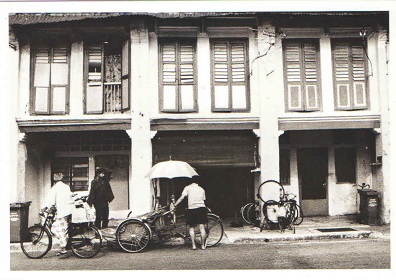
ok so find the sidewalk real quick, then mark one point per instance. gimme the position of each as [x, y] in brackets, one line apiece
[312, 228]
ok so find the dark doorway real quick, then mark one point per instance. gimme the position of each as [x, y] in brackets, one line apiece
[227, 189]
[312, 173]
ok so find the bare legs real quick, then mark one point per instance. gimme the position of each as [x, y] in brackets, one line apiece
[203, 236]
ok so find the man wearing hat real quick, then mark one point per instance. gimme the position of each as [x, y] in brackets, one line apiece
[100, 195]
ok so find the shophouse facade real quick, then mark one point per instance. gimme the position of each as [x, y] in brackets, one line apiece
[243, 97]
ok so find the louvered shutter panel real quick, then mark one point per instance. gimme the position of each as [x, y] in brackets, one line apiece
[238, 74]
[311, 76]
[41, 80]
[187, 80]
[221, 85]
[94, 95]
[359, 77]
[342, 75]
[125, 101]
[59, 79]
[169, 82]
[293, 76]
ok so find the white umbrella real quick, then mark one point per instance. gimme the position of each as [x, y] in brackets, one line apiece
[171, 169]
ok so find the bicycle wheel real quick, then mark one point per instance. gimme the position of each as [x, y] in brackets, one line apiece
[85, 241]
[298, 215]
[269, 210]
[37, 242]
[133, 236]
[214, 230]
[270, 190]
[246, 213]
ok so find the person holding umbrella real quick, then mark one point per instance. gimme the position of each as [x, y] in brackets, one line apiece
[196, 212]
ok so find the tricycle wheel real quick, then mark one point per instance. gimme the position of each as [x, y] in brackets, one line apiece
[133, 236]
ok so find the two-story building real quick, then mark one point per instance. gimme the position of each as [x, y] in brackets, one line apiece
[243, 97]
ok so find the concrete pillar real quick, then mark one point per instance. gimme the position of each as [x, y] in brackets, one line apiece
[383, 90]
[141, 151]
[270, 92]
[76, 82]
[203, 64]
[326, 70]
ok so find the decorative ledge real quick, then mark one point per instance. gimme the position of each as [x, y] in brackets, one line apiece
[204, 124]
[330, 122]
[46, 125]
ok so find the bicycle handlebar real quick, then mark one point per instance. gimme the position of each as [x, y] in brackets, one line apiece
[362, 186]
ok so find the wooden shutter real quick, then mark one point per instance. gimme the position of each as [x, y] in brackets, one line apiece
[293, 76]
[310, 53]
[59, 80]
[169, 94]
[229, 76]
[187, 78]
[125, 101]
[302, 77]
[359, 77]
[350, 75]
[238, 76]
[94, 94]
[41, 83]
[178, 77]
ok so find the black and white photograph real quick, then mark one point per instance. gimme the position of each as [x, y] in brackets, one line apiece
[184, 139]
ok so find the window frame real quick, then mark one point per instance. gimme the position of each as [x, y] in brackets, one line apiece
[341, 160]
[61, 163]
[125, 73]
[178, 43]
[303, 84]
[48, 42]
[230, 83]
[351, 84]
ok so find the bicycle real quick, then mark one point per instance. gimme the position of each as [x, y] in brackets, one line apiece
[250, 213]
[85, 240]
[135, 233]
[279, 207]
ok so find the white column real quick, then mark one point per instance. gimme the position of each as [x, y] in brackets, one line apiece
[383, 90]
[271, 93]
[326, 76]
[203, 66]
[24, 81]
[76, 82]
[141, 151]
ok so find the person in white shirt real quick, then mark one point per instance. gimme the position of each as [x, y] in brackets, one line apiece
[60, 196]
[196, 212]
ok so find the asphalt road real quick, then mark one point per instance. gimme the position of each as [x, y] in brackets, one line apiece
[365, 253]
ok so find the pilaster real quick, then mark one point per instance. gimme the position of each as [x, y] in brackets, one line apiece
[141, 150]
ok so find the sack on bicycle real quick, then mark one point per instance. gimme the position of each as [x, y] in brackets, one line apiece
[83, 213]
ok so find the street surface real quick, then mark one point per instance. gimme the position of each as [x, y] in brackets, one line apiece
[364, 253]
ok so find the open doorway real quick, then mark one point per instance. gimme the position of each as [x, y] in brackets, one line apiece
[227, 189]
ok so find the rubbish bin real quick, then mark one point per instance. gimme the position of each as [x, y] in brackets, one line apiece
[19, 217]
[368, 206]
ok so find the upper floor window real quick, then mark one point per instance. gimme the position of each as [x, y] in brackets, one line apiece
[178, 85]
[50, 81]
[350, 74]
[106, 77]
[302, 76]
[230, 79]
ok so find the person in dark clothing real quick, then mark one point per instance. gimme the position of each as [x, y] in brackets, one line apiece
[100, 195]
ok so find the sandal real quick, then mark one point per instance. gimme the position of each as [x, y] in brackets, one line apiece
[61, 253]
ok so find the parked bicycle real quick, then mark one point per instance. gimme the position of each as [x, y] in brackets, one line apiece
[85, 240]
[250, 213]
[136, 233]
[279, 207]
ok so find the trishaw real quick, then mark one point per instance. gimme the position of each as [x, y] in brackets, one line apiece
[160, 225]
